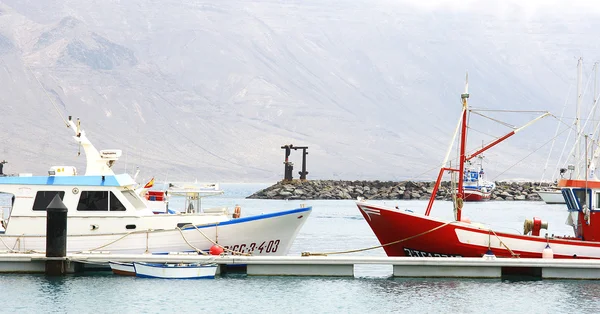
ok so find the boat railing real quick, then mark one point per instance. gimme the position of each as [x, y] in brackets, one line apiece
[215, 210]
[4, 211]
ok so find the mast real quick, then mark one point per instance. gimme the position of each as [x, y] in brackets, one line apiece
[463, 143]
[595, 88]
[591, 167]
[577, 121]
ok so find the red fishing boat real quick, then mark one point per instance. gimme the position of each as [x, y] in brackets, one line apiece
[405, 233]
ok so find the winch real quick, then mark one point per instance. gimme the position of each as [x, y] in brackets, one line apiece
[534, 226]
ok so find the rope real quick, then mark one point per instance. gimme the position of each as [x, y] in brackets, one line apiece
[473, 109]
[562, 114]
[7, 247]
[527, 226]
[15, 251]
[378, 246]
[188, 243]
[114, 241]
[459, 203]
[504, 244]
[217, 244]
[495, 120]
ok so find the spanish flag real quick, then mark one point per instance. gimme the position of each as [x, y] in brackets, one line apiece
[149, 184]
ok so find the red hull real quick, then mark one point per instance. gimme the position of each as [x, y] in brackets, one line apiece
[476, 196]
[419, 235]
[123, 273]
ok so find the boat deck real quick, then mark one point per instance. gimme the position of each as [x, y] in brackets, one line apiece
[338, 266]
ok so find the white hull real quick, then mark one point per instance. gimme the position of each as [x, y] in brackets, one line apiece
[125, 269]
[552, 197]
[524, 244]
[170, 271]
[269, 234]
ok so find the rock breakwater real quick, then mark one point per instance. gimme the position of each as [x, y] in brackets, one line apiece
[404, 190]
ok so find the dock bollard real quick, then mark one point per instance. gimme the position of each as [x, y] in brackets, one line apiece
[56, 237]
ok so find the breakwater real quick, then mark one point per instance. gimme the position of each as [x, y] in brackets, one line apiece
[404, 190]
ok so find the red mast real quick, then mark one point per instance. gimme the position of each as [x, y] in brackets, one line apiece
[463, 144]
[463, 157]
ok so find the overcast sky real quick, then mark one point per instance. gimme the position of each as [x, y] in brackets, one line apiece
[522, 8]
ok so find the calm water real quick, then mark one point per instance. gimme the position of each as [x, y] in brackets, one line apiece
[333, 226]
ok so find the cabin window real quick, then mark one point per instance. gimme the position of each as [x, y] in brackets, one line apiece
[43, 199]
[93, 200]
[99, 201]
[582, 196]
[115, 204]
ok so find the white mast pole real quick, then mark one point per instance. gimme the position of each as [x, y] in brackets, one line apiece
[577, 122]
[595, 82]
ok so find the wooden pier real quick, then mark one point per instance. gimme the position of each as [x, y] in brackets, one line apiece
[334, 266]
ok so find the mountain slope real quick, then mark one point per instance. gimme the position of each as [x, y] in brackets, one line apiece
[211, 90]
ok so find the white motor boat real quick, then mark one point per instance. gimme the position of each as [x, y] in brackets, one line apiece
[552, 197]
[175, 271]
[106, 213]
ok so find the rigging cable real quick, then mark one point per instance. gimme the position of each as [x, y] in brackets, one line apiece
[555, 134]
[205, 149]
[495, 120]
[531, 153]
[47, 95]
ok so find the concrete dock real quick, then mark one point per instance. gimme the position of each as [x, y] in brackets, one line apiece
[336, 266]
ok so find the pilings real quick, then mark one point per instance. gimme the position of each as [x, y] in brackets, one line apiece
[56, 237]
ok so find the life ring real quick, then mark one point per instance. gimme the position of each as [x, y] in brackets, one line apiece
[237, 212]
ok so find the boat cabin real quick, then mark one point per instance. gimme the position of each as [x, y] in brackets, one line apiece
[96, 204]
[583, 203]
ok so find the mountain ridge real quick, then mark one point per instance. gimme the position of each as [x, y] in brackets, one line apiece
[371, 88]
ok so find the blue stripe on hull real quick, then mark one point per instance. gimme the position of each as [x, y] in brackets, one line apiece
[256, 217]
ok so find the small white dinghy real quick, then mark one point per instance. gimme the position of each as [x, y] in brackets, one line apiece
[123, 269]
[175, 271]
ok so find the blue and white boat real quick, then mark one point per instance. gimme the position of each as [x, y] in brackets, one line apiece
[106, 213]
[476, 188]
[175, 271]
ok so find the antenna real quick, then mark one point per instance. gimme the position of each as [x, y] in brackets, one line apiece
[137, 171]
[47, 95]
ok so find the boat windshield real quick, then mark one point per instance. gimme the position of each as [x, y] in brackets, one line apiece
[6, 203]
[576, 199]
[134, 199]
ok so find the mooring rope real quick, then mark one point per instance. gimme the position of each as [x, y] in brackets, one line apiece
[378, 246]
[7, 247]
[12, 250]
[188, 243]
[114, 241]
[217, 244]
[504, 244]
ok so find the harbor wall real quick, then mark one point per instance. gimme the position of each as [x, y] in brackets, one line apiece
[403, 190]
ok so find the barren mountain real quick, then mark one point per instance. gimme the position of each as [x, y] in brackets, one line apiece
[212, 89]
